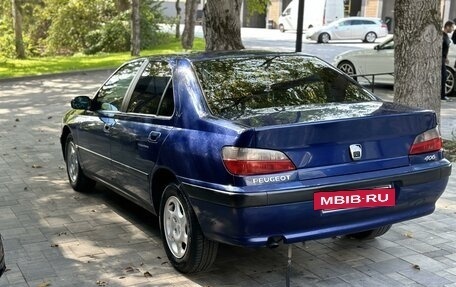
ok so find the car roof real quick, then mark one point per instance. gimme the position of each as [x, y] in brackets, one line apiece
[358, 18]
[213, 55]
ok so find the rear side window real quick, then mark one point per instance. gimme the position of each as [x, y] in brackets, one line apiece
[237, 86]
[153, 93]
[367, 22]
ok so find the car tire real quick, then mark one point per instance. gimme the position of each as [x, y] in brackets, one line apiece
[324, 38]
[281, 28]
[370, 37]
[78, 180]
[450, 81]
[370, 234]
[185, 244]
[348, 68]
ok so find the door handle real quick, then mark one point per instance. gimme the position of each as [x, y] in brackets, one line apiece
[154, 136]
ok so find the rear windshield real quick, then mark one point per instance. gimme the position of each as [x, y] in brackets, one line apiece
[234, 87]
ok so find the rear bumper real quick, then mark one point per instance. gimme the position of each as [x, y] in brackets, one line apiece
[251, 219]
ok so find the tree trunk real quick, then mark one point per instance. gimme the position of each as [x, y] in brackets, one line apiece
[178, 19]
[17, 24]
[418, 53]
[135, 28]
[222, 25]
[190, 18]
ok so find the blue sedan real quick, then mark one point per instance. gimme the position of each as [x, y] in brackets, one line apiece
[253, 149]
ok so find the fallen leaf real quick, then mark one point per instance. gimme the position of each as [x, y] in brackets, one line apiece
[44, 284]
[130, 269]
[163, 263]
[142, 264]
[17, 120]
[408, 234]
[36, 166]
[62, 233]
[50, 117]
[25, 188]
[93, 210]
[122, 277]
[158, 257]
[417, 267]
[147, 274]
[54, 245]
[101, 283]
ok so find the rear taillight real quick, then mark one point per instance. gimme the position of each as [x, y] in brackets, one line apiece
[251, 161]
[428, 141]
[384, 26]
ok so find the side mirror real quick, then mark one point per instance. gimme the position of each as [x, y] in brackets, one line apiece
[81, 103]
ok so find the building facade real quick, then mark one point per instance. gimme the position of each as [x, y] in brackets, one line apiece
[383, 9]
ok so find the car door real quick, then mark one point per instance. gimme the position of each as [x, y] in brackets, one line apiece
[342, 30]
[94, 129]
[140, 131]
[381, 62]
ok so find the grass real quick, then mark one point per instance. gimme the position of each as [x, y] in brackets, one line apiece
[10, 68]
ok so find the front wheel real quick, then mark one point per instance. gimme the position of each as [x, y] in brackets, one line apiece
[324, 38]
[348, 68]
[78, 180]
[185, 245]
[371, 234]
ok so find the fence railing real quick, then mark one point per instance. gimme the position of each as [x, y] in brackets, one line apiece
[372, 76]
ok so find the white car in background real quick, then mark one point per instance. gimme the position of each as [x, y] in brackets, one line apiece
[351, 28]
[379, 61]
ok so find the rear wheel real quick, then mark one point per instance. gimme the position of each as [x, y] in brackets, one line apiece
[78, 180]
[370, 234]
[449, 84]
[324, 38]
[185, 245]
[370, 37]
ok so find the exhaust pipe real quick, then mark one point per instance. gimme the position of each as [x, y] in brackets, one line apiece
[274, 241]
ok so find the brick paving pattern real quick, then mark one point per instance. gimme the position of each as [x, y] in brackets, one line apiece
[54, 236]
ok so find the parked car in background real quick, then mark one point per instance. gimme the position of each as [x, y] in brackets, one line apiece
[351, 28]
[380, 61]
[253, 149]
[316, 13]
[2, 258]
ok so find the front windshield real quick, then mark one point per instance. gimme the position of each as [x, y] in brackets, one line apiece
[236, 86]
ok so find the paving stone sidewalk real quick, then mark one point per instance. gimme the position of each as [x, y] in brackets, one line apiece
[54, 236]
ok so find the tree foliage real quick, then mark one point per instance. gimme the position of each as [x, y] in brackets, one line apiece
[72, 26]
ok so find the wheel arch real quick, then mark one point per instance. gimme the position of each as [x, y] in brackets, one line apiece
[160, 179]
[65, 132]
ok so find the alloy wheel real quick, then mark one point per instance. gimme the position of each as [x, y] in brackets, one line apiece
[72, 162]
[175, 227]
